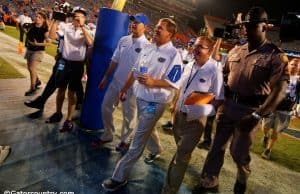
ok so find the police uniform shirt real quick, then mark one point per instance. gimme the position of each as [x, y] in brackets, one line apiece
[74, 46]
[207, 78]
[253, 73]
[162, 62]
[126, 54]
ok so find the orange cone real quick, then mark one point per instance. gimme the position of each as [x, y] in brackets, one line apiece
[20, 48]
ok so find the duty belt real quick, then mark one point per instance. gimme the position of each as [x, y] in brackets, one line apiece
[253, 101]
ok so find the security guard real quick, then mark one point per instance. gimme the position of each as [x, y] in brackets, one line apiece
[203, 76]
[255, 79]
[127, 52]
[157, 73]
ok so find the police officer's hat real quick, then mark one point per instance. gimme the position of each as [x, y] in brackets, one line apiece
[256, 15]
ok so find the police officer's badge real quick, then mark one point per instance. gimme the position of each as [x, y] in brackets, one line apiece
[138, 50]
[175, 73]
[161, 59]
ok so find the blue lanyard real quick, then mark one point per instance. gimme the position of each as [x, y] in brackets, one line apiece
[190, 80]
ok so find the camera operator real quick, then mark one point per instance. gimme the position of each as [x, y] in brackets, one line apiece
[77, 37]
[21, 20]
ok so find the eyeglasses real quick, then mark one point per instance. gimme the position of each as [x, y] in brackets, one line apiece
[200, 46]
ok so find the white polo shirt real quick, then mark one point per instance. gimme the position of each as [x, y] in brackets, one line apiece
[74, 47]
[208, 78]
[22, 19]
[126, 55]
[162, 62]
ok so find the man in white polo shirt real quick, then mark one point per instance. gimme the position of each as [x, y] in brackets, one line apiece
[156, 75]
[202, 76]
[124, 57]
[77, 37]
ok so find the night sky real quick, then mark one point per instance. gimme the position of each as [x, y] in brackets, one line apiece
[225, 8]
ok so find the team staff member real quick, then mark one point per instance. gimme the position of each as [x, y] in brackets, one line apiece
[204, 76]
[256, 79]
[77, 37]
[127, 52]
[36, 40]
[157, 73]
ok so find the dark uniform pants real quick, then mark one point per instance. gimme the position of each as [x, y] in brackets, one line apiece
[187, 135]
[228, 117]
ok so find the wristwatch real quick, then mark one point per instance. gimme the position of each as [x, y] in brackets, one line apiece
[256, 116]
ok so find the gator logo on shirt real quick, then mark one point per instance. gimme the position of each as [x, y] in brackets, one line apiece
[138, 50]
[175, 73]
[161, 59]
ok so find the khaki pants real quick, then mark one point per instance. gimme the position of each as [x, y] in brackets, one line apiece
[187, 134]
[129, 112]
[143, 133]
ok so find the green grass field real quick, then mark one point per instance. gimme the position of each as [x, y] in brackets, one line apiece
[11, 31]
[7, 71]
[285, 152]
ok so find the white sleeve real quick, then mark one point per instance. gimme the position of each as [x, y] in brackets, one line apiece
[174, 72]
[61, 29]
[218, 85]
[117, 52]
[19, 19]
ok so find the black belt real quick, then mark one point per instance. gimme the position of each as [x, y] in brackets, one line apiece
[74, 62]
[253, 101]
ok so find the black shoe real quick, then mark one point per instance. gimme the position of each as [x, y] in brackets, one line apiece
[67, 127]
[168, 126]
[239, 188]
[36, 115]
[265, 141]
[55, 118]
[37, 103]
[111, 185]
[30, 92]
[204, 145]
[151, 158]
[38, 84]
[266, 154]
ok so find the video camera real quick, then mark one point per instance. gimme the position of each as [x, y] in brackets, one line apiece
[230, 31]
[62, 11]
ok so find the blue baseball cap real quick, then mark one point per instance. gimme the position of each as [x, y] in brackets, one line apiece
[140, 18]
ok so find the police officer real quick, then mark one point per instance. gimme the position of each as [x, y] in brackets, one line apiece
[157, 73]
[127, 52]
[203, 76]
[256, 79]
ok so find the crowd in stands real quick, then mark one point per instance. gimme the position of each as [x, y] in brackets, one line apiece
[10, 10]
